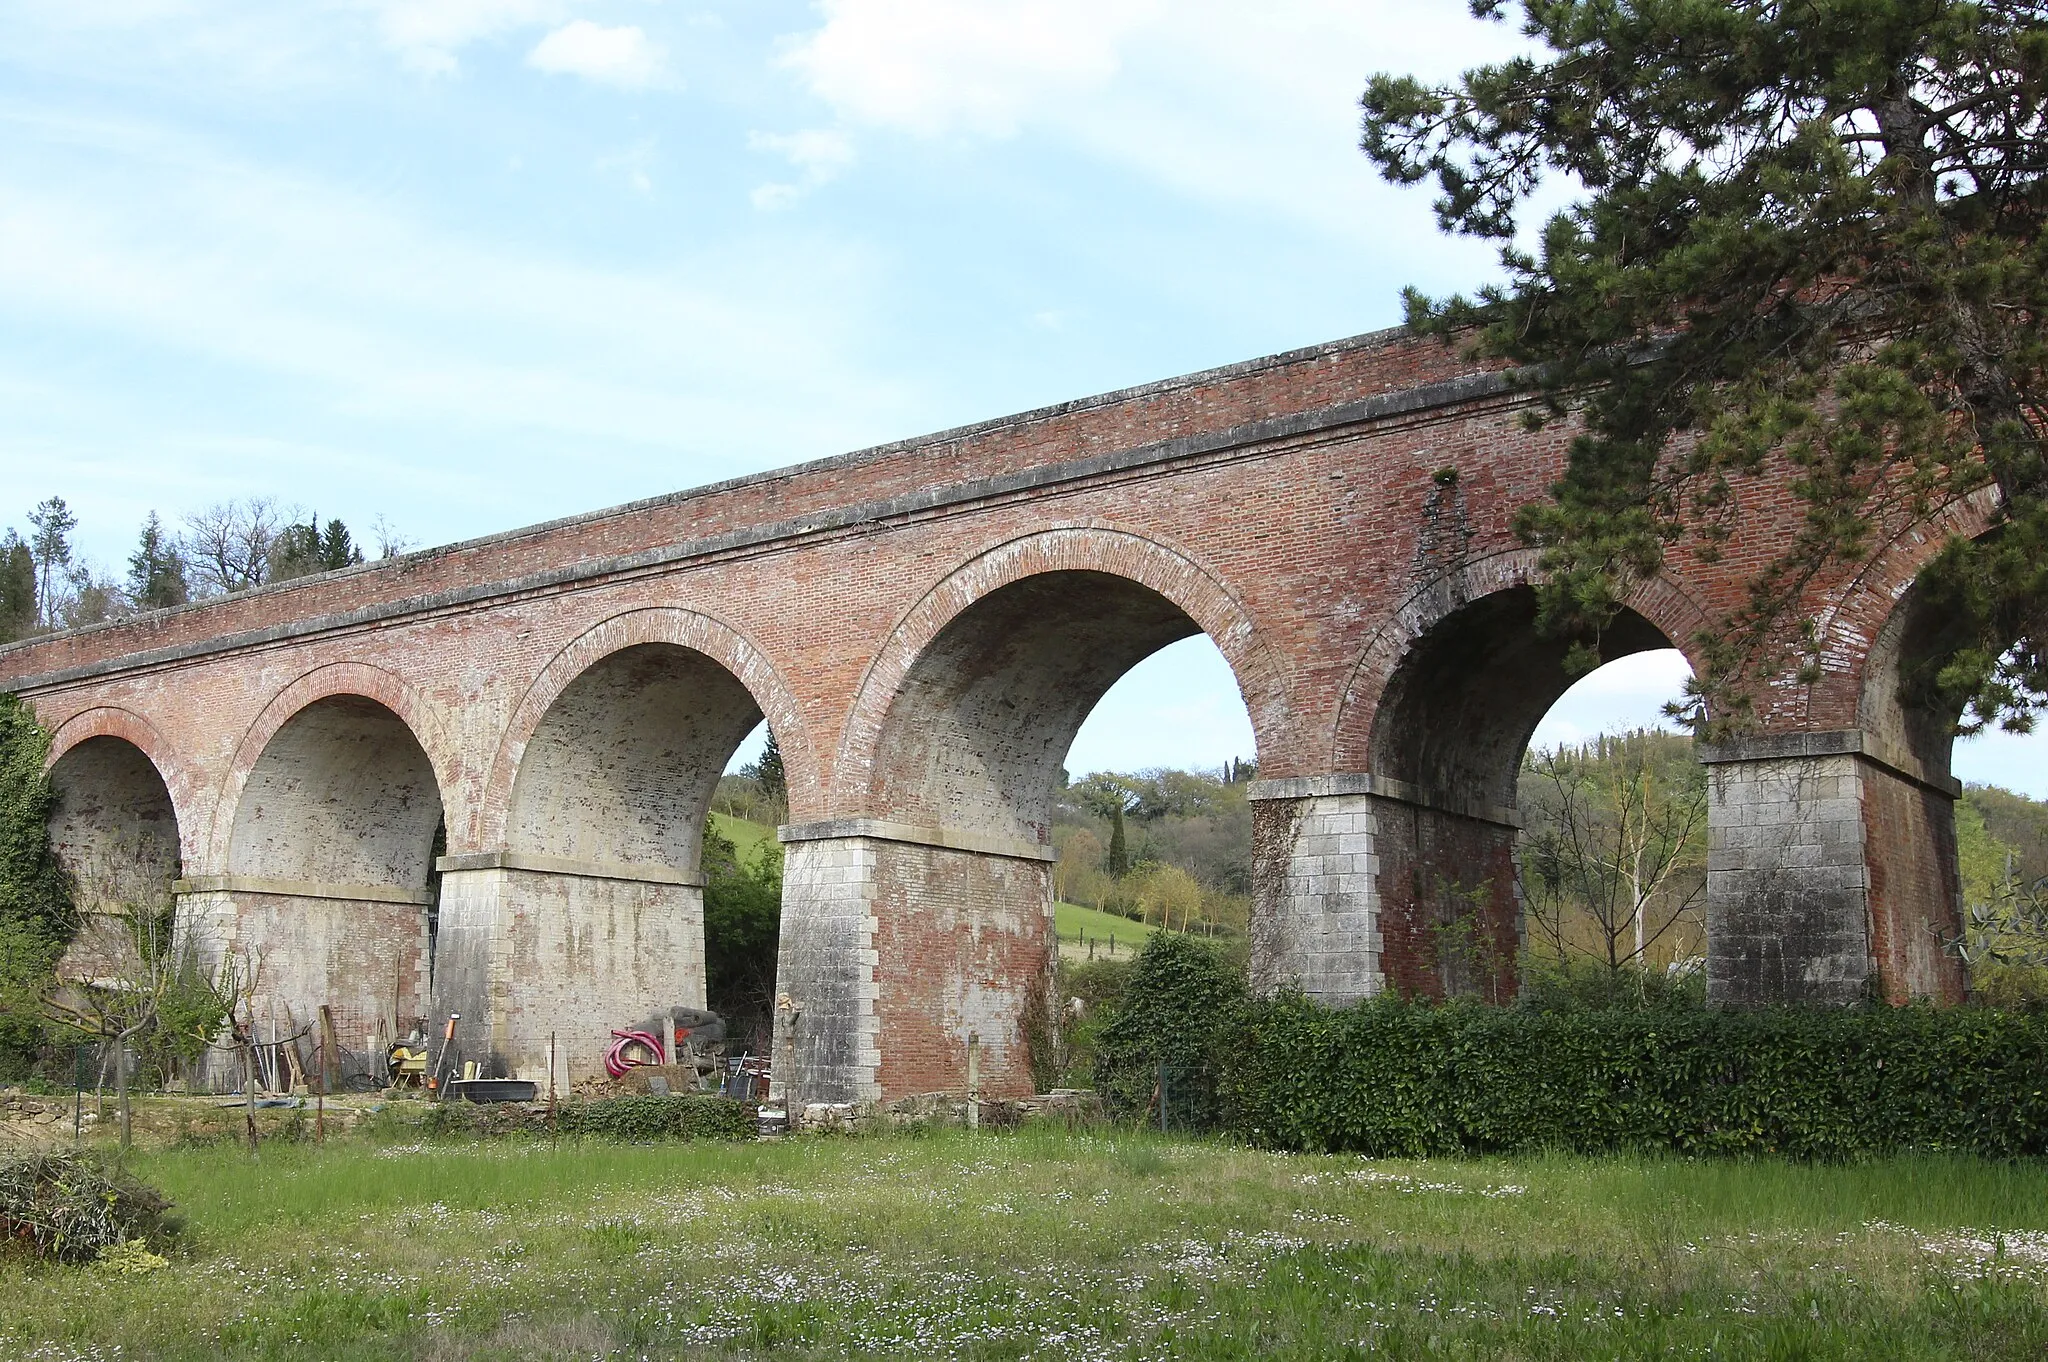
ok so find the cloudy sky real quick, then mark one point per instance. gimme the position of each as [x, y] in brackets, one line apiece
[468, 264]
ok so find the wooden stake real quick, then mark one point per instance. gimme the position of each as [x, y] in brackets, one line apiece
[973, 1080]
[330, 1048]
[249, 1085]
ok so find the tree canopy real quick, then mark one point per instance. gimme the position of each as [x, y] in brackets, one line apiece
[1800, 235]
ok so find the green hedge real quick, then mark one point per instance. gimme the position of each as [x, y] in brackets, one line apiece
[1394, 1078]
[1166, 1019]
[633, 1119]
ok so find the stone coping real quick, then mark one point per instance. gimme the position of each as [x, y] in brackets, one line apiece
[302, 889]
[1838, 742]
[640, 872]
[1383, 787]
[950, 839]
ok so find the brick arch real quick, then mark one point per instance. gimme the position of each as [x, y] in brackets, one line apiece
[1877, 623]
[1165, 569]
[424, 721]
[701, 633]
[1865, 617]
[122, 794]
[113, 721]
[1662, 602]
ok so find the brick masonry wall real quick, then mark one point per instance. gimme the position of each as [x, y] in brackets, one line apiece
[961, 938]
[1915, 884]
[115, 829]
[1318, 514]
[1450, 902]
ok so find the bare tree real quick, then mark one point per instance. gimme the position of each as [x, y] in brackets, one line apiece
[390, 543]
[155, 986]
[228, 545]
[1614, 859]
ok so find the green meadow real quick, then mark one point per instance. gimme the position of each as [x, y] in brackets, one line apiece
[1048, 1244]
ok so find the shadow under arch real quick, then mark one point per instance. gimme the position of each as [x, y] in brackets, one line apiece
[1436, 721]
[924, 925]
[1465, 646]
[1907, 735]
[423, 724]
[114, 827]
[968, 710]
[590, 872]
[328, 887]
[165, 763]
[725, 659]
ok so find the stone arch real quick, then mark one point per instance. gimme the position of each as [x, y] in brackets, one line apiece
[1446, 692]
[346, 772]
[1056, 616]
[699, 648]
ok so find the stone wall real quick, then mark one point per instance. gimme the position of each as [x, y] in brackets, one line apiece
[1315, 918]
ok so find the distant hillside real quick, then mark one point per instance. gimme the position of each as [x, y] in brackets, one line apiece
[743, 834]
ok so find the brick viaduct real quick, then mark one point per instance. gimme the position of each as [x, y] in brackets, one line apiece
[924, 626]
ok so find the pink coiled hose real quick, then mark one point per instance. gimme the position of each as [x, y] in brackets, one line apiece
[620, 1056]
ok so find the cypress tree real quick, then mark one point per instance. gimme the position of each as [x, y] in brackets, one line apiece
[1117, 860]
[156, 570]
[17, 589]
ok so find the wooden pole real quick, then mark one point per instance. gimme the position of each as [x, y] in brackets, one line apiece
[330, 1048]
[973, 1080]
[249, 1085]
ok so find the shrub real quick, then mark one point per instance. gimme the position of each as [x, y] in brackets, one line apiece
[634, 1119]
[1576, 982]
[681, 1117]
[71, 1208]
[1388, 1077]
[1179, 1005]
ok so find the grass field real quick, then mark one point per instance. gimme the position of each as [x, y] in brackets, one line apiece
[1049, 1245]
[743, 835]
[1073, 923]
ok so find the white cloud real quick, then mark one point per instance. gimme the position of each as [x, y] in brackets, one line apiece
[935, 66]
[1245, 104]
[427, 34]
[623, 56]
[171, 243]
[634, 165]
[1628, 693]
[821, 154]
